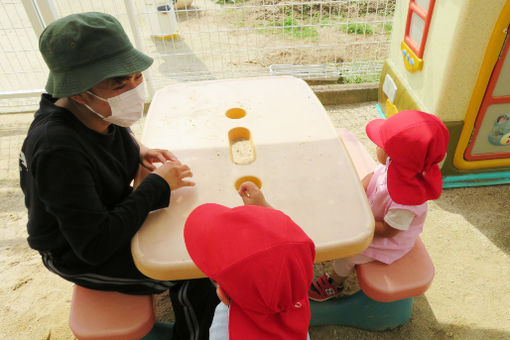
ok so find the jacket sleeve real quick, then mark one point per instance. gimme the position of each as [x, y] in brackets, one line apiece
[66, 186]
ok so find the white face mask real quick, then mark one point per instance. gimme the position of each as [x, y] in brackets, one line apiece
[127, 107]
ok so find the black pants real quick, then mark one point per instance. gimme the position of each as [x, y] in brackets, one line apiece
[193, 301]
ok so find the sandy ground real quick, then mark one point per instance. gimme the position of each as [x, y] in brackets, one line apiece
[467, 235]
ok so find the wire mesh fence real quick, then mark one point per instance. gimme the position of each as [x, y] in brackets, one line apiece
[342, 41]
[21, 66]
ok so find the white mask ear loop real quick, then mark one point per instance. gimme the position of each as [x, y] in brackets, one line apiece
[91, 109]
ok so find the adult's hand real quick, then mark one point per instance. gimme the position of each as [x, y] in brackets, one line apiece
[150, 156]
[175, 174]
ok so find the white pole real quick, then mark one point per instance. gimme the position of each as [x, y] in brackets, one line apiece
[33, 16]
[139, 43]
[47, 11]
[21, 93]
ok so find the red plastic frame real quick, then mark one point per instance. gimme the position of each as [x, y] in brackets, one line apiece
[426, 16]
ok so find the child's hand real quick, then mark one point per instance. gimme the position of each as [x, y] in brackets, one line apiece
[174, 173]
[252, 195]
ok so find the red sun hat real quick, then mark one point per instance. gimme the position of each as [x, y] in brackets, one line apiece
[262, 260]
[415, 142]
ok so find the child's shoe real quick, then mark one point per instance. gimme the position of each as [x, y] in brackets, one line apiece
[323, 288]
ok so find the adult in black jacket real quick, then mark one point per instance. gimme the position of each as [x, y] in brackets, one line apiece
[79, 158]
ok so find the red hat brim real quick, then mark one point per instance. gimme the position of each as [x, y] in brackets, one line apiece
[250, 325]
[409, 188]
[373, 130]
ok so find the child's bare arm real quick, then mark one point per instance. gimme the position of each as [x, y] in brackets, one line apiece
[383, 229]
[252, 195]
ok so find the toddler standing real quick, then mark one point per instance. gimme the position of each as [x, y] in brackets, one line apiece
[410, 145]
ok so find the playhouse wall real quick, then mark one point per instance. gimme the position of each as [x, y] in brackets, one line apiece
[458, 36]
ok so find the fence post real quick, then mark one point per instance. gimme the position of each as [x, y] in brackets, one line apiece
[47, 11]
[33, 16]
[138, 43]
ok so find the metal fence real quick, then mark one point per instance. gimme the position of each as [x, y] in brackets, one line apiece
[334, 40]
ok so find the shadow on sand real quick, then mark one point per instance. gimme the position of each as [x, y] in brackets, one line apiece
[179, 62]
[486, 208]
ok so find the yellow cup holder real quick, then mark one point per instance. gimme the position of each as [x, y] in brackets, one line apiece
[243, 179]
[242, 150]
[235, 113]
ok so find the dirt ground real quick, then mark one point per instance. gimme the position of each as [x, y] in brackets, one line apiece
[467, 235]
[251, 37]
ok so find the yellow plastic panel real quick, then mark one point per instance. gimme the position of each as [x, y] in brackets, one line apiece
[391, 109]
[411, 61]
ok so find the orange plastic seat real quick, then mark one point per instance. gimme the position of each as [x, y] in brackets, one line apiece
[99, 314]
[407, 277]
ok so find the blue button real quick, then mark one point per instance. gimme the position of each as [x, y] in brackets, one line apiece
[411, 61]
[404, 52]
[408, 56]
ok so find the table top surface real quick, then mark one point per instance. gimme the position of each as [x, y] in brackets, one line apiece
[294, 151]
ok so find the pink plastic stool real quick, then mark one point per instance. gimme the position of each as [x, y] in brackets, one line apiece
[99, 314]
[407, 277]
[387, 293]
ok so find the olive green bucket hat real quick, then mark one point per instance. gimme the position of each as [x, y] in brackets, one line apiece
[81, 50]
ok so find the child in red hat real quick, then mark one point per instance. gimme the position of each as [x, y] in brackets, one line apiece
[263, 264]
[410, 146]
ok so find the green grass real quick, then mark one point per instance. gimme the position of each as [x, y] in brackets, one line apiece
[357, 28]
[318, 19]
[359, 79]
[289, 27]
[388, 27]
[229, 2]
